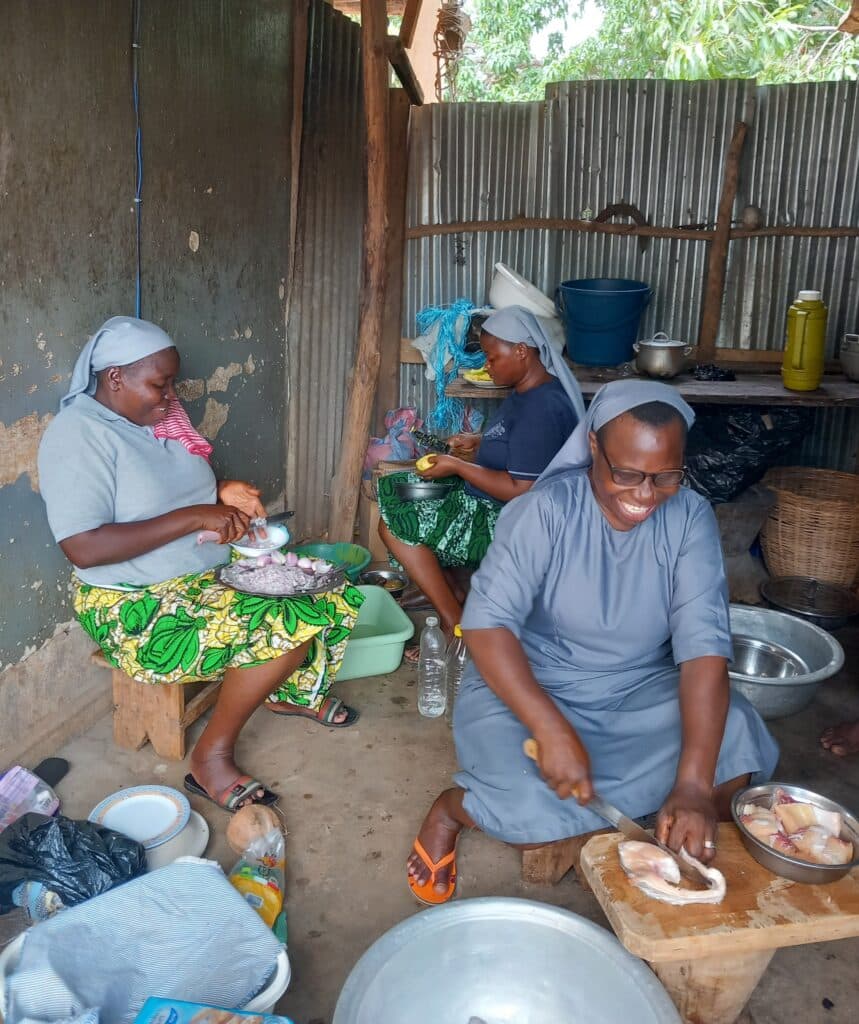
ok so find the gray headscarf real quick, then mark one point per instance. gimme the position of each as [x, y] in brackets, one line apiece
[611, 401]
[118, 342]
[520, 327]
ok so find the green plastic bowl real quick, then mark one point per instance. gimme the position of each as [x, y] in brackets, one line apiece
[351, 557]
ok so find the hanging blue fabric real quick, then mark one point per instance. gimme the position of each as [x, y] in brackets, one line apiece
[447, 356]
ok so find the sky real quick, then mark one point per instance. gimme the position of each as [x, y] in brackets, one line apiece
[577, 29]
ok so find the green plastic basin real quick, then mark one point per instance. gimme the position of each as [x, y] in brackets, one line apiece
[351, 557]
[379, 637]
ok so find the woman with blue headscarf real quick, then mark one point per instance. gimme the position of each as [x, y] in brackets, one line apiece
[130, 494]
[431, 536]
[598, 625]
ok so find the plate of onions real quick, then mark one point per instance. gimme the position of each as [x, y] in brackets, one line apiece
[281, 574]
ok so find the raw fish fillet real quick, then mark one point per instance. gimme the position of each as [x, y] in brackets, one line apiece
[657, 874]
[762, 824]
[818, 845]
[794, 815]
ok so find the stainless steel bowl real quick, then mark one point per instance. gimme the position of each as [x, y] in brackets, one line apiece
[393, 581]
[421, 490]
[779, 863]
[768, 636]
[501, 960]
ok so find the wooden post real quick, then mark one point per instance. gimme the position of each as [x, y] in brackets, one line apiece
[388, 394]
[365, 371]
[714, 284]
[405, 72]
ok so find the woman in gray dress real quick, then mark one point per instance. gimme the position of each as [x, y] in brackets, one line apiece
[598, 624]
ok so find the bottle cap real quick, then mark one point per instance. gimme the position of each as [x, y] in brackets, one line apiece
[457, 630]
[432, 620]
[809, 296]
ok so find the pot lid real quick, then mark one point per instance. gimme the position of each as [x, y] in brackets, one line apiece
[806, 596]
[661, 340]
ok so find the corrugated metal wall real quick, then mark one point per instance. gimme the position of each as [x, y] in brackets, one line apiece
[660, 146]
[324, 304]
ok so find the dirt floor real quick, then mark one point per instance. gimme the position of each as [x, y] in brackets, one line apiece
[354, 798]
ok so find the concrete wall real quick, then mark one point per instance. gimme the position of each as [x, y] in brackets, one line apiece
[216, 82]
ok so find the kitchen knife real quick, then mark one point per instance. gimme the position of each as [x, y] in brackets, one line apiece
[629, 828]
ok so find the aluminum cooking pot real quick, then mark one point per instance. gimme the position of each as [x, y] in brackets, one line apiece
[660, 356]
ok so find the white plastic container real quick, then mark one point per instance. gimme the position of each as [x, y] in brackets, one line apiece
[511, 289]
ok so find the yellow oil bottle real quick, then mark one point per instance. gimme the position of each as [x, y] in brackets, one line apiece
[805, 343]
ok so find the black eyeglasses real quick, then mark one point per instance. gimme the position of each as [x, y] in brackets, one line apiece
[633, 477]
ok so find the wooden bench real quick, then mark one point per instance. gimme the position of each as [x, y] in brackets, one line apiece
[159, 713]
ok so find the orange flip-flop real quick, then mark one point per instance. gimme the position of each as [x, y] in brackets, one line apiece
[425, 893]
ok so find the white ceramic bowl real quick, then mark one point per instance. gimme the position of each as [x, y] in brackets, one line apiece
[278, 537]
[511, 289]
[190, 842]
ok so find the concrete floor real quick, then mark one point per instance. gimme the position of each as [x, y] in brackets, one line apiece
[354, 798]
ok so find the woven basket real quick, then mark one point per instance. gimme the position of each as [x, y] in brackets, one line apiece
[813, 528]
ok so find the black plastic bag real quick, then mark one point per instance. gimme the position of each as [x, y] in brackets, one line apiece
[730, 448]
[74, 859]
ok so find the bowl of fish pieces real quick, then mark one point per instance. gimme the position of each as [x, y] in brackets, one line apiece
[795, 833]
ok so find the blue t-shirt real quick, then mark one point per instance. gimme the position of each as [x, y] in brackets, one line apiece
[526, 433]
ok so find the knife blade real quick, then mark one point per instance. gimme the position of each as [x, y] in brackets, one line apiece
[629, 828]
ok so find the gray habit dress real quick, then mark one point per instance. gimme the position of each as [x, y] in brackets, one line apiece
[605, 617]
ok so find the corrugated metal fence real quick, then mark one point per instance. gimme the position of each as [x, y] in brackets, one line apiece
[660, 146]
[325, 296]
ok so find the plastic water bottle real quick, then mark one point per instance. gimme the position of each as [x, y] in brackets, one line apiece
[454, 666]
[431, 692]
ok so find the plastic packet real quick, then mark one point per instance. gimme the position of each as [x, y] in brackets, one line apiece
[21, 792]
[260, 876]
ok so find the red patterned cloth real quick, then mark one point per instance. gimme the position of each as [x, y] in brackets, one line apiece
[177, 427]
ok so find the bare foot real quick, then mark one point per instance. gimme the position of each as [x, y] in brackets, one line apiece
[842, 739]
[438, 836]
[217, 773]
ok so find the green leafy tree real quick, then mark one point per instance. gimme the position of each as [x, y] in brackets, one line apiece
[771, 40]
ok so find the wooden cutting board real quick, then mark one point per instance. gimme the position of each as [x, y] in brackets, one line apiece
[760, 911]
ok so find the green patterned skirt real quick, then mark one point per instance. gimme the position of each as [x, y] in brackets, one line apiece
[193, 627]
[458, 527]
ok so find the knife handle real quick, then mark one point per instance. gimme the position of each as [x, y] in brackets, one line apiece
[532, 750]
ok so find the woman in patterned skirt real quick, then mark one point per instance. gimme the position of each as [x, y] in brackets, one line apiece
[125, 502]
[434, 535]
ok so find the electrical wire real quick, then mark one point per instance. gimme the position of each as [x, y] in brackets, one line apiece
[138, 148]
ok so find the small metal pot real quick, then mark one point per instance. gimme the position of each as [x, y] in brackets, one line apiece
[421, 490]
[660, 356]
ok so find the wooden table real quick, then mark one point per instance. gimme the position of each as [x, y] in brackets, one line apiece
[747, 389]
[709, 958]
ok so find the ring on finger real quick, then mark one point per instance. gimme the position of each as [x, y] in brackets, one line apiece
[708, 844]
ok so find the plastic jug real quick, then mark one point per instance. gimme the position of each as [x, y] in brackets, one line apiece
[805, 343]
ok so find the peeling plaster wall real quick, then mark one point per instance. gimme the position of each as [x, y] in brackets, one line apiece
[215, 85]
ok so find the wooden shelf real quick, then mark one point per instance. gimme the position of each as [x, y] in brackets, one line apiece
[747, 389]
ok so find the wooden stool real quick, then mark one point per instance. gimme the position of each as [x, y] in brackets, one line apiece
[711, 957]
[547, 865]
[160, 713]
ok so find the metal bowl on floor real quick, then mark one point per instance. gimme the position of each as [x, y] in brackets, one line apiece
[780, 863]
[421, 490]
[825, 604]
[390, 579]
[779, 659]
[498, 959]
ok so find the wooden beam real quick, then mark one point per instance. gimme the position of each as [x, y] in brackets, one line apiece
[395, 8]
[850, 22]
[365, 372]
[714, 283]
[388, 394]
[404, 71]
[648, 231]
[410, 21]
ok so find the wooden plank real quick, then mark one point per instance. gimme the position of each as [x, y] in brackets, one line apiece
[747, 389]
[408, 354]
[760, 911]
[714, 282]
[409, 22]
[365, 372]
[850, 22]
[388, 393]
[404, 71]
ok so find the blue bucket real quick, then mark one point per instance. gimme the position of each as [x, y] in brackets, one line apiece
[601, 315]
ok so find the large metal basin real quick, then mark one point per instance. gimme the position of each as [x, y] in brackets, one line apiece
[501, 961]
[780, 660]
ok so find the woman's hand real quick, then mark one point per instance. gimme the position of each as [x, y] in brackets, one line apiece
[464, 444]
[688, 818]
[230, 523]
[442, 465]
[565, 765]
[242, 496]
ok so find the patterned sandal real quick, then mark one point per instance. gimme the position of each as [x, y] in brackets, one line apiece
[243, 790]
[326, 714]
[426, 893]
